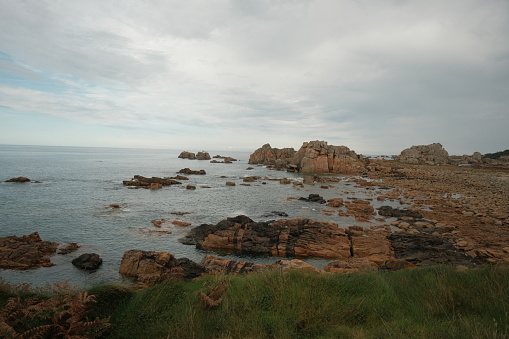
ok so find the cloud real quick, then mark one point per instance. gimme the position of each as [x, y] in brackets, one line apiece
[376, 76]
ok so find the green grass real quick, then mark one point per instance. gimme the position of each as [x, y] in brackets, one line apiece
[433, 302]
[430, 302]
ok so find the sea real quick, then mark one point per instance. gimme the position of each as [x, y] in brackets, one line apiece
[72, 188]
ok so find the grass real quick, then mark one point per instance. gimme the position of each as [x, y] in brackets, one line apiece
[430, 302]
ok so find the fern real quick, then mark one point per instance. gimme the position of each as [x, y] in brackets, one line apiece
[63, 314]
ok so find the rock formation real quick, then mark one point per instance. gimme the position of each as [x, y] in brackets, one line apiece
[286, 237]
[190, 171]
[27, 251]
[140, 181]
[187, 155]
[433, 154]
[192, 156]
[319, 157]
[312, 157]
[149, 267]
[273, 157]
[18, 179]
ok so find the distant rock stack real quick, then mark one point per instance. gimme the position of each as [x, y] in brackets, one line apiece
[319, 157]
[312, 157]
[433, 154]
[273, 157]
[192, 156]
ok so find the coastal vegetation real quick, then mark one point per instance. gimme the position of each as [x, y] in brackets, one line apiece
[425, 302]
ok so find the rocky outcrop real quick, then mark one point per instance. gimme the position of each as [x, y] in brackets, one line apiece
[319, 157]
[187, 155]
[141, 182]
[192, 156]
[433, 154]
[18, 179]
[285, 237]
[278, 158]
[88, 261]
[371, 244]
[226, 160]
[190, 171]
[148, 267]
[203, 156]
[27, 251]
[475, 158]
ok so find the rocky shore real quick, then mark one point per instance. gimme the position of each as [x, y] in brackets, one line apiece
[456, 215]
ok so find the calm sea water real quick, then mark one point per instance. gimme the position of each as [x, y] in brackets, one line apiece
[78, 183]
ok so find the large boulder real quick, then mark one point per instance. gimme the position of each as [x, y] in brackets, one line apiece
[274, 157]
[285, 237]
[319, 157]
[88, 261]
[27, 251]
[433, 154]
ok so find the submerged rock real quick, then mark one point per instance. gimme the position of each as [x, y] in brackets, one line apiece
[18, 179]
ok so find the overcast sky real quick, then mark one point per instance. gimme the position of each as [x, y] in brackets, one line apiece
[376, 76]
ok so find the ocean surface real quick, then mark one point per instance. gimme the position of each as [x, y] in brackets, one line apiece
[77, 184]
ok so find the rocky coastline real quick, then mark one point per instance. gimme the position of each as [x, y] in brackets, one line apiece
[457, 215]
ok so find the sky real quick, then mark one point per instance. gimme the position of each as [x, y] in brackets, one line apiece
[376, 76]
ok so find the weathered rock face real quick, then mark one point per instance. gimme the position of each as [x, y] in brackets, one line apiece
[433, 154]
[88, 261]
[149, 267]
[28, 251]
[371, 244]
[319, 157]
[274, 157]
[350, 265]
[294, 237]
[141, 182]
